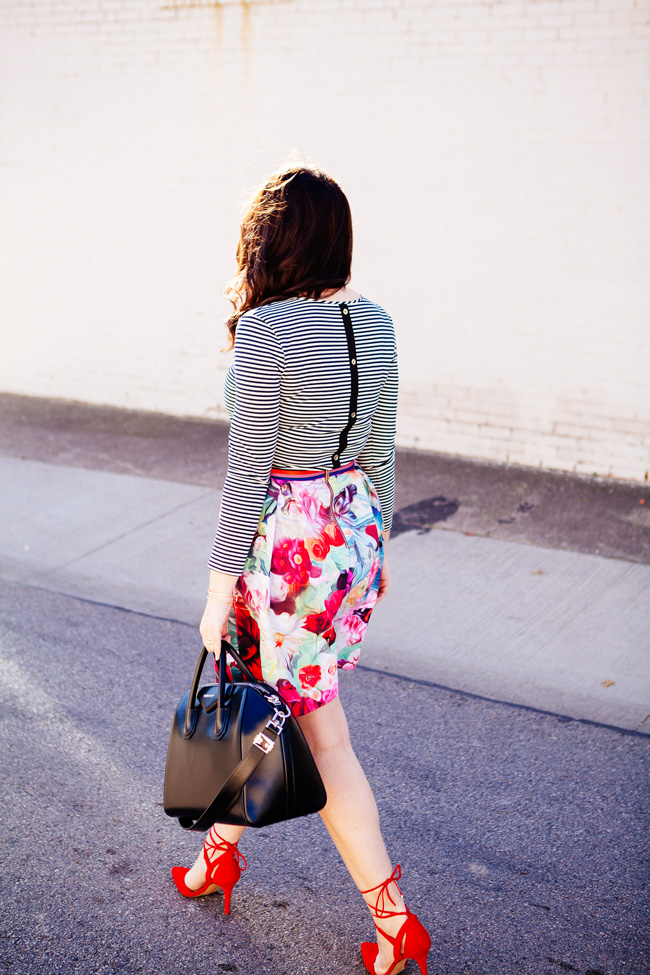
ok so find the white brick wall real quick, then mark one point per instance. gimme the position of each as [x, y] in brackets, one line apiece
[496, 158]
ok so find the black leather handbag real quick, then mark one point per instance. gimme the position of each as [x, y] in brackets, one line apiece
[237, 755]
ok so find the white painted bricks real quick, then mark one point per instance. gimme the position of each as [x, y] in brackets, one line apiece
[496, 159]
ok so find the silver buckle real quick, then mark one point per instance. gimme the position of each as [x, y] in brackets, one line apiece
[275, 724]
[263, 743]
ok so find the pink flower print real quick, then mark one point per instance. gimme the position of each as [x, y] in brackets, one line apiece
[374, 569]
[291, 561]
[310, 505]
[307, 704]
[298, 704]
[349, 663]
[363, 590]
[329, 695]
[321, 623]
[288, 692]
[334, 532]
[372, 531]
[310, 676]
[354, 627]
[281, 638]
[318, 547]
[369, 603]
[259, 543]
[279, 588]
[333, 603]
[254, 595]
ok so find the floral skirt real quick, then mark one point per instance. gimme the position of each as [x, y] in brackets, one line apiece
[309, 585]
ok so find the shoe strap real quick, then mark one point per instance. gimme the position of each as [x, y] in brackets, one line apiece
[399, 937]
[380, 910]
[221, 847]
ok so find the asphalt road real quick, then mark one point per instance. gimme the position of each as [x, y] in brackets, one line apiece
[523, 836]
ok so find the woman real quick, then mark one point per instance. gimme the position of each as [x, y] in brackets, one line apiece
[299, 560]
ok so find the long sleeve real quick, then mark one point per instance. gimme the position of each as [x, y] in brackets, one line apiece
[258, 366]
[378, 455]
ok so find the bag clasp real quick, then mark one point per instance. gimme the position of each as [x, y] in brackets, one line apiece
[263, 743]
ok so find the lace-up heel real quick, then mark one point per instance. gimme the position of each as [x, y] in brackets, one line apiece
[223, 871]
[412, 941]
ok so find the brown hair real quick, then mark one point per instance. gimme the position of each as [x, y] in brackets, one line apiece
[296, 239]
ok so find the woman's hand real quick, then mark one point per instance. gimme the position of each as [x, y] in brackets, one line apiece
[214, 626]
[384, 581]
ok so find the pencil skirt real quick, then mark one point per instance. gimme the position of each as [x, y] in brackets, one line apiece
[309, 585]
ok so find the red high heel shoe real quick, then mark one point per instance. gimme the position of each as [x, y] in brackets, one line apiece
[412, 939]
[224, 870]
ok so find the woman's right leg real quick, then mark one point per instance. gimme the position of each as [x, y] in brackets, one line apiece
[350, 814]
[195, 877]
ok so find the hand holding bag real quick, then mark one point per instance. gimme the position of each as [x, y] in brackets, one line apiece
[237, 755]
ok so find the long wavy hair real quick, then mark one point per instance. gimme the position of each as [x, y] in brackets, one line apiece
[296, 239]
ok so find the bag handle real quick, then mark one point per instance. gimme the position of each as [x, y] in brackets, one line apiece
[262, 743]
[191, 711]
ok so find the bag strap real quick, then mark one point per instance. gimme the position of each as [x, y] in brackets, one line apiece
[354, 385]
[262, 744]
[235, 782]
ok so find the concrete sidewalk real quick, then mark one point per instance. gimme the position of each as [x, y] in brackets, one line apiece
[523, 836]
[593, 515]
[561, 631]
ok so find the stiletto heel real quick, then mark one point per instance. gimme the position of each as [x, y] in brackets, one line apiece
[227, 894]
[224, 871]
[412, 940]
[421, 962]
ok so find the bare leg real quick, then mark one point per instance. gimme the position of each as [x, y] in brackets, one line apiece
[195, 877]
[350, 817]
[350, 814]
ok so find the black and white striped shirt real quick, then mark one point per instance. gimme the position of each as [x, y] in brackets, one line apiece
[288, 394]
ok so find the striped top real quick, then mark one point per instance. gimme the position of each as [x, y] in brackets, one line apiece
[288, 395]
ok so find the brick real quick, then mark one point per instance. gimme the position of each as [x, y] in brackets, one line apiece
[498, 119]
[555, 20]
[584, 8]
